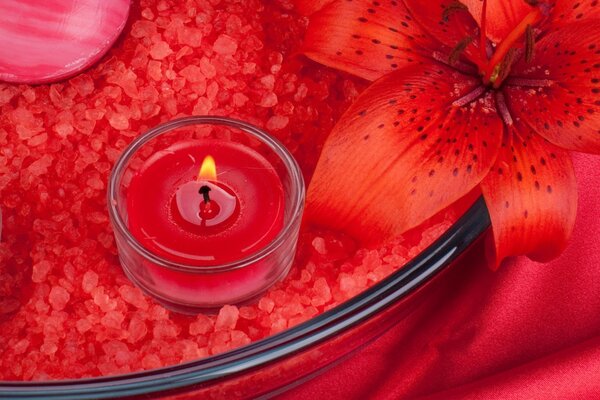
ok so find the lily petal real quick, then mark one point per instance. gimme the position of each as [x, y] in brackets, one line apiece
[450, 22]
[568, 11]
[558, 94]
[502, 15]
[531, 196]
[403, 151]
[365, 40]
[308, 7]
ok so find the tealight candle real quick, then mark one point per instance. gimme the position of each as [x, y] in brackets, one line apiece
[202, 221]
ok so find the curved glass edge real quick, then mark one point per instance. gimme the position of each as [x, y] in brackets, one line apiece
[282, 345]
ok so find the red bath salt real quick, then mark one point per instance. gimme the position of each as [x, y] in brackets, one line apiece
[66, 308]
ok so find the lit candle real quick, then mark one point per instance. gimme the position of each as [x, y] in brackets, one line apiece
[202, 222]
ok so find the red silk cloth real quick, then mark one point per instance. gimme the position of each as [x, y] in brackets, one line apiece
[527, 331]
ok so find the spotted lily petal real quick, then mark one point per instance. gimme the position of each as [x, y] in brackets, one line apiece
[406, 149]
[531, 196]
[364, 39]
[558, 94]
[569, 11]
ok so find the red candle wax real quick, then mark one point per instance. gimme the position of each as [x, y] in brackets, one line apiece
[170, 216]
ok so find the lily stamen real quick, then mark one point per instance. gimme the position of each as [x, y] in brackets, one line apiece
[509, 41]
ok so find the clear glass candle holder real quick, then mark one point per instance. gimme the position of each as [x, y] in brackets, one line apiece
[189, 288]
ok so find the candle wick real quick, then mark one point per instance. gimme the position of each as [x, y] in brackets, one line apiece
[204, 192]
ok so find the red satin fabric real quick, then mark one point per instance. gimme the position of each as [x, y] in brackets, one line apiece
[527, 331]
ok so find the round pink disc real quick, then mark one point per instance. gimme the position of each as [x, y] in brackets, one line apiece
[45, 41]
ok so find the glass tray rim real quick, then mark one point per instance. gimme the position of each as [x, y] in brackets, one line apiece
[436, 257]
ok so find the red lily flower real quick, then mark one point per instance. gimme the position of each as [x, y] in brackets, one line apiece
[466, 95]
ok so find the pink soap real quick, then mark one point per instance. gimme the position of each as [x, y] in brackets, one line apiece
[45, 41]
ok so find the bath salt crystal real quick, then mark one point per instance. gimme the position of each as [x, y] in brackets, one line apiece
[58, 298]
[192, 73]
[248, 313]
[268, 100]
[201, 326]
[133, 296]
[160, 50]
[239, 99]
[318, 244]
[227, 318]
[40, 167]
[322, 292]
[155, 70]
[113, 319]
[239, 338]
[40, 271]
[165, 329]
[21, 346]
[347, 282]
[158, 313]
[266, 304]
[277, 122]
[83, 325]
[137, 330]
[212, 90]
[225, 45]
[203, 106]
[233, 24]
[118, 121]
[249, 68]
[48, 348]
[207, 68]
[89, 281]
[268, 81]
[102, 300]
[190, 36]
[151, 361]
[292, 309]
[143, 29]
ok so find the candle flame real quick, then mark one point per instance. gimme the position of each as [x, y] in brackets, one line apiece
[208, 170]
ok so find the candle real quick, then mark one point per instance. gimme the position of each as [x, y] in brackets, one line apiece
[182, 209]
[205, 220]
